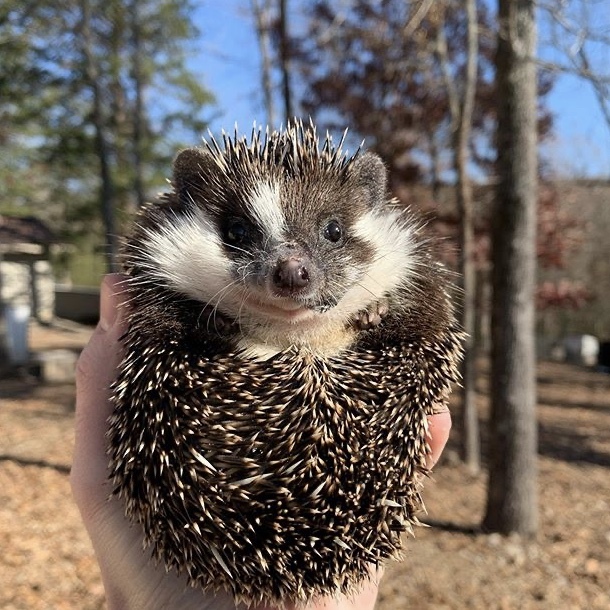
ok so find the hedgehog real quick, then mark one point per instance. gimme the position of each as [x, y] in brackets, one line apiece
[288, 334]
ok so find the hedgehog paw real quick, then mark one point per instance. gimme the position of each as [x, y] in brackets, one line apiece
[220, 325]
[371, 316]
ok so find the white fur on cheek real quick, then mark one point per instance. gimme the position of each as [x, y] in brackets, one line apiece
[394, 243]
[264, 202]
[185, 254]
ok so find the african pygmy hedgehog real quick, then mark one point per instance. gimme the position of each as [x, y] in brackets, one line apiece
[288, 335]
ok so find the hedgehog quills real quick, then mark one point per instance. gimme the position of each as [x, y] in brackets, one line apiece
[285, 478]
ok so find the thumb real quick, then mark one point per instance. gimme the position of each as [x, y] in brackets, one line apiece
[95, 372]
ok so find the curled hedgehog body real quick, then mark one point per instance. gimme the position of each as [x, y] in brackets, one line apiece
[288, 335]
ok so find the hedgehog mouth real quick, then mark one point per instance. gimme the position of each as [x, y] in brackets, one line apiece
[285, 309]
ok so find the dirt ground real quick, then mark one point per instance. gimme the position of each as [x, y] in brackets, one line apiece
[47, 561]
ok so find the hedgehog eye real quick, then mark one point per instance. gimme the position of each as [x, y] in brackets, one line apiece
[333, 231]
[236, 233]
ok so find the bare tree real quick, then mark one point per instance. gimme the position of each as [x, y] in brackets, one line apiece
[578, 31]
[461, 106]
[512, 501]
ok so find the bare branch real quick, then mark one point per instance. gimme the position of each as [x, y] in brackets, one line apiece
[338, 21]
[601, 92]
[420, 13]
[580, 71]
[443, 58]
[577, 32]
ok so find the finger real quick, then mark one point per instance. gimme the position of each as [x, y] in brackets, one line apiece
[362, 599]
[439, 427]
[95, 371]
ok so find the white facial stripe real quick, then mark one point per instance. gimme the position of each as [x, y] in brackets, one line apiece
[186, 255]
[264, 203]
[394, 244]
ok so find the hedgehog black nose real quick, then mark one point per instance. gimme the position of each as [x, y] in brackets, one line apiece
[291, 275]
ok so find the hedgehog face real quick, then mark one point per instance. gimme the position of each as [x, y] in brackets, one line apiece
[293, 246]
[282, 234]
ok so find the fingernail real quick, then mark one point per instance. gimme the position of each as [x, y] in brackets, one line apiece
[108, 304]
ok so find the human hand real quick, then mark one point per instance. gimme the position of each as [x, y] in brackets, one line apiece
[131, 579]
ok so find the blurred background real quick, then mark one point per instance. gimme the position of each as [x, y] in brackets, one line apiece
[95, 100]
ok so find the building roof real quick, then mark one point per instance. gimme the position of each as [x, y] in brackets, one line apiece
[24, 234]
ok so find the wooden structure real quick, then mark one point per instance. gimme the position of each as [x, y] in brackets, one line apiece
[25, 271]
[26, 284]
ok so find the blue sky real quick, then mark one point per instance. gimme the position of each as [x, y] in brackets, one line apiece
[229, 66]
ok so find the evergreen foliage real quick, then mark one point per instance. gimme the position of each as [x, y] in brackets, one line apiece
[58, 59]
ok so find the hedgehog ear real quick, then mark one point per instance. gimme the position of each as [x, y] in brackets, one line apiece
[192, 169]
[370, 171]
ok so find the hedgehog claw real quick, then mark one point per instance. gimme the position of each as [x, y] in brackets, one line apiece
[220, 324]
[371, 316]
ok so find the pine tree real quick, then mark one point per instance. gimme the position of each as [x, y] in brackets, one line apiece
[115, 100]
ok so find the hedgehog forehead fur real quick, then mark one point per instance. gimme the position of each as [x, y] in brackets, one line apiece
[267, 438]
[284, 182]
[292, 161]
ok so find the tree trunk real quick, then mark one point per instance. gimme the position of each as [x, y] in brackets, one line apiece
[3, 338]
[461, 106]
[118, 121]
[102, 148]
[471, 444]
[483, 312]
[263, 31]
[435, 167]
[512, 501]
[138, 114]
[285, 62]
